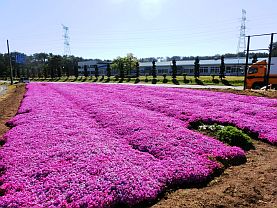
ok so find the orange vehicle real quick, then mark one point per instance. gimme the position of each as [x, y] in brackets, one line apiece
[256, 75]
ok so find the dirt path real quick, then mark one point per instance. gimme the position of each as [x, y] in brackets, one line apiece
[253, 184]
[258, 93]
[9, 104]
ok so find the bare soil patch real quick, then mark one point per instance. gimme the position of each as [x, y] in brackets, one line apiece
[253, 184]
[9, 104]
[259, 93]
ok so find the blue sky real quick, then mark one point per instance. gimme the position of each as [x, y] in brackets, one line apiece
[109, 28]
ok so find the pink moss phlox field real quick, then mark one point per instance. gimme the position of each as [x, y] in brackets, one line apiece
[89, 145]
[253, 114]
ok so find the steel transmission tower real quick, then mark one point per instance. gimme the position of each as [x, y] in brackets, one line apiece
[242, 41]
[66, 40]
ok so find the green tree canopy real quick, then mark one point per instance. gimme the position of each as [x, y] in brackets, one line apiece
[55, 64]
[174, 69]
[96, 71]
[109, 70]
[222, 68]
[196, 68]
[154, 71]
[137, 69]
[127, 63]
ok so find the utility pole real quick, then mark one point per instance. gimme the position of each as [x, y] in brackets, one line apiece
[11, 68]
[241, 42]
[66, 40]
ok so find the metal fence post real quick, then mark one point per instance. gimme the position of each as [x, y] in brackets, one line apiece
[269, 61]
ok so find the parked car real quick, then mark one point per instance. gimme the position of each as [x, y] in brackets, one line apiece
[24, 80]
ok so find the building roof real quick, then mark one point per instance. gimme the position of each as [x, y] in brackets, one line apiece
[87, 62]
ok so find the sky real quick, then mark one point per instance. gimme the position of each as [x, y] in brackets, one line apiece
[107, 29]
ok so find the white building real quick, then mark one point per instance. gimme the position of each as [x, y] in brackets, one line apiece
[91, 65]
[234, 67]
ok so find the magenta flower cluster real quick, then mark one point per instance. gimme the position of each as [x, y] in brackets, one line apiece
[89, 145]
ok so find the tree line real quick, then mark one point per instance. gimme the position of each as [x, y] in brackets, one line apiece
[39, 65]
[190, 58]
[48, 65]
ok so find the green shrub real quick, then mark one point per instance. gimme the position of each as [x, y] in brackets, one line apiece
[213, 75]
[234, 137]
[146, 78]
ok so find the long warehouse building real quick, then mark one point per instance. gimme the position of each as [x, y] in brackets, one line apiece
[233, 67]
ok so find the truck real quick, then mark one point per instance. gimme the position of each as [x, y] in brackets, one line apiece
[256, 74]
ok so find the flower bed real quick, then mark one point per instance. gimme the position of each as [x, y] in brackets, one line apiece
[257, 115]
[92, 145]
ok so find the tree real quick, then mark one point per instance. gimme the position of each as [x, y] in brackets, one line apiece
[129, 62]
[40, 62]
[121, 70]
[176, 58]
[59, 71]
[96, 71]
[45, 70]
[68, 65]
[222, 68]
[137, 69]
[4, 66]
[4, 69]
[39, 72]
[109, 70]
[85, 70]
[255, 59]
[55, 64]
[118, 65]
[18, 71]
[154, 72]
[67, 70]
[174, 69]
[76, 72]
[28, 73]
[196, 68]
[274, 49]
[23, 72]
[40, 57]
[124, 64]
[15, 65]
